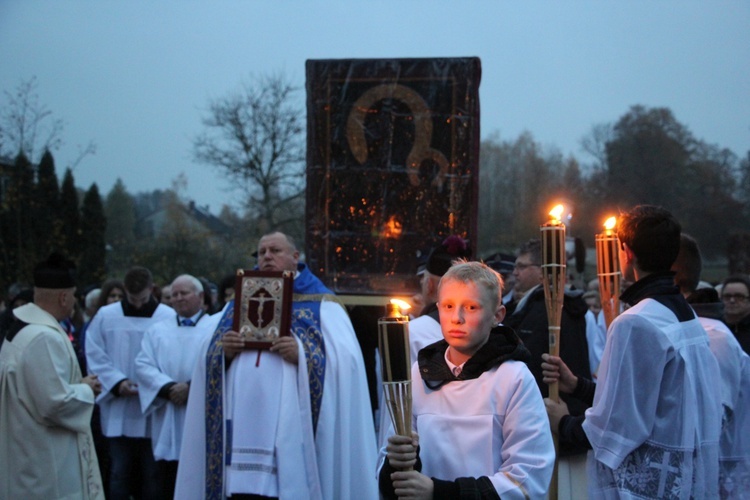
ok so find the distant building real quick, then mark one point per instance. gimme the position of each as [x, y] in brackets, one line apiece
[196, 218]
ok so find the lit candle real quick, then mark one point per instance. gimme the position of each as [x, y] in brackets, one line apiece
[608, 270]
[393, 343]
[554, 263]
[395, 365]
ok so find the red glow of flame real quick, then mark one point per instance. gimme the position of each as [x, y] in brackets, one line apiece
[393, 228]
[610, 223]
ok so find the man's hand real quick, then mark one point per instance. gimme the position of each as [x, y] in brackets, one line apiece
[233, 344]
[93, 382]
[412, 484]
[127, 388]
[287, 347]
[555, 370]
[555, 411]
[402, 451]
[178, 393]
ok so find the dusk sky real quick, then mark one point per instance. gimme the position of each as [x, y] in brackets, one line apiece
[135, 77]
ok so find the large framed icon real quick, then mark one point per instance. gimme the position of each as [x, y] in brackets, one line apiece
[392, 167]
[262, 306]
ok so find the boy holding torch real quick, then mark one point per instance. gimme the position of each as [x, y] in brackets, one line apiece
[478, 418]
[655, 418]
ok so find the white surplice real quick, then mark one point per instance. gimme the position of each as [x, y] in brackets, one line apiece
[493, 426]
[734, 450]
[46, 447]
[168, 354]
[655, 423]
[113, 340]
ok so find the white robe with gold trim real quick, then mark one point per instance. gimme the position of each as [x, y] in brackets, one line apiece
[46, 448]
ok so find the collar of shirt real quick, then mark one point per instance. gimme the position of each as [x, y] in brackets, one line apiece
[194, 318]
[455, 369]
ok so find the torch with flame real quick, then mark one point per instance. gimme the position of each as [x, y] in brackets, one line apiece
[395, 364]
[608, 270]
[554, 264]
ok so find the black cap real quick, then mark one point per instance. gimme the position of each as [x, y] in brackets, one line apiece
[55, 272]
[442, 256]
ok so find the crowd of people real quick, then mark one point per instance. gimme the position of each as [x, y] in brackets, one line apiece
[152, 393]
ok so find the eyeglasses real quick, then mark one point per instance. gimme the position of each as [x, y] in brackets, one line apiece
[521, 266]
[737, 297]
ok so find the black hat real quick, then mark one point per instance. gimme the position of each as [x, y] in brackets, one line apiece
[442, 256]
[55, 272]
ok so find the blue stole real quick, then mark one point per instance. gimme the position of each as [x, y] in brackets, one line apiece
[308, 293]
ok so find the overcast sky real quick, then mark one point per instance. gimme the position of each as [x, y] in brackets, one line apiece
[135, 77]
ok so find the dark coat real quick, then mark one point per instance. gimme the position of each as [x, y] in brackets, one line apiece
[531, 325]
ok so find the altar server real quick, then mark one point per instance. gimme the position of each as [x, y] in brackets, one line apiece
[163, 368]
[112, 342]
[478, 418]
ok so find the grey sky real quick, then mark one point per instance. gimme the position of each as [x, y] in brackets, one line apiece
[134, 77]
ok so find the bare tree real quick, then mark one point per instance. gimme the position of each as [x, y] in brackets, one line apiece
[255, 137]
[26, 125]
[595, 144]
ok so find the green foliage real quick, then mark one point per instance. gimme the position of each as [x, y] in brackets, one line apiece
[119, 210]
[70, 218]
[16, 217]
[37, 218]
[92, 262]
[46, 207]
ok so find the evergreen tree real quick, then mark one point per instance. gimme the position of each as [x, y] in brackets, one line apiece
[18, 257]
[119, 210]
[70, 233]
[92, 262]
[46, 208]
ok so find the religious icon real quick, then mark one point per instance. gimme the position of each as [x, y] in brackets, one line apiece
[392, 166]
[262, 306]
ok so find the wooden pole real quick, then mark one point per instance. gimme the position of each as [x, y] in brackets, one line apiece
[554, 275]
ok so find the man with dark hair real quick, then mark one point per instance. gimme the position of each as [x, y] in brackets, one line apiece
[46, 449]
[527, 315]
[656, 417]
[735, 294]
[112, 342]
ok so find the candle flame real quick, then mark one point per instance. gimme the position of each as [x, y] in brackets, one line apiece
[401, 304]
[556, 213]
[610, 223]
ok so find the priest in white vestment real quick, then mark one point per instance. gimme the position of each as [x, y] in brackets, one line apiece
[292, 423]
[163, 368]
[46, 446]
[113, 340]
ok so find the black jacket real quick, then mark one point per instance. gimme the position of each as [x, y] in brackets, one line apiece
[531, 325]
